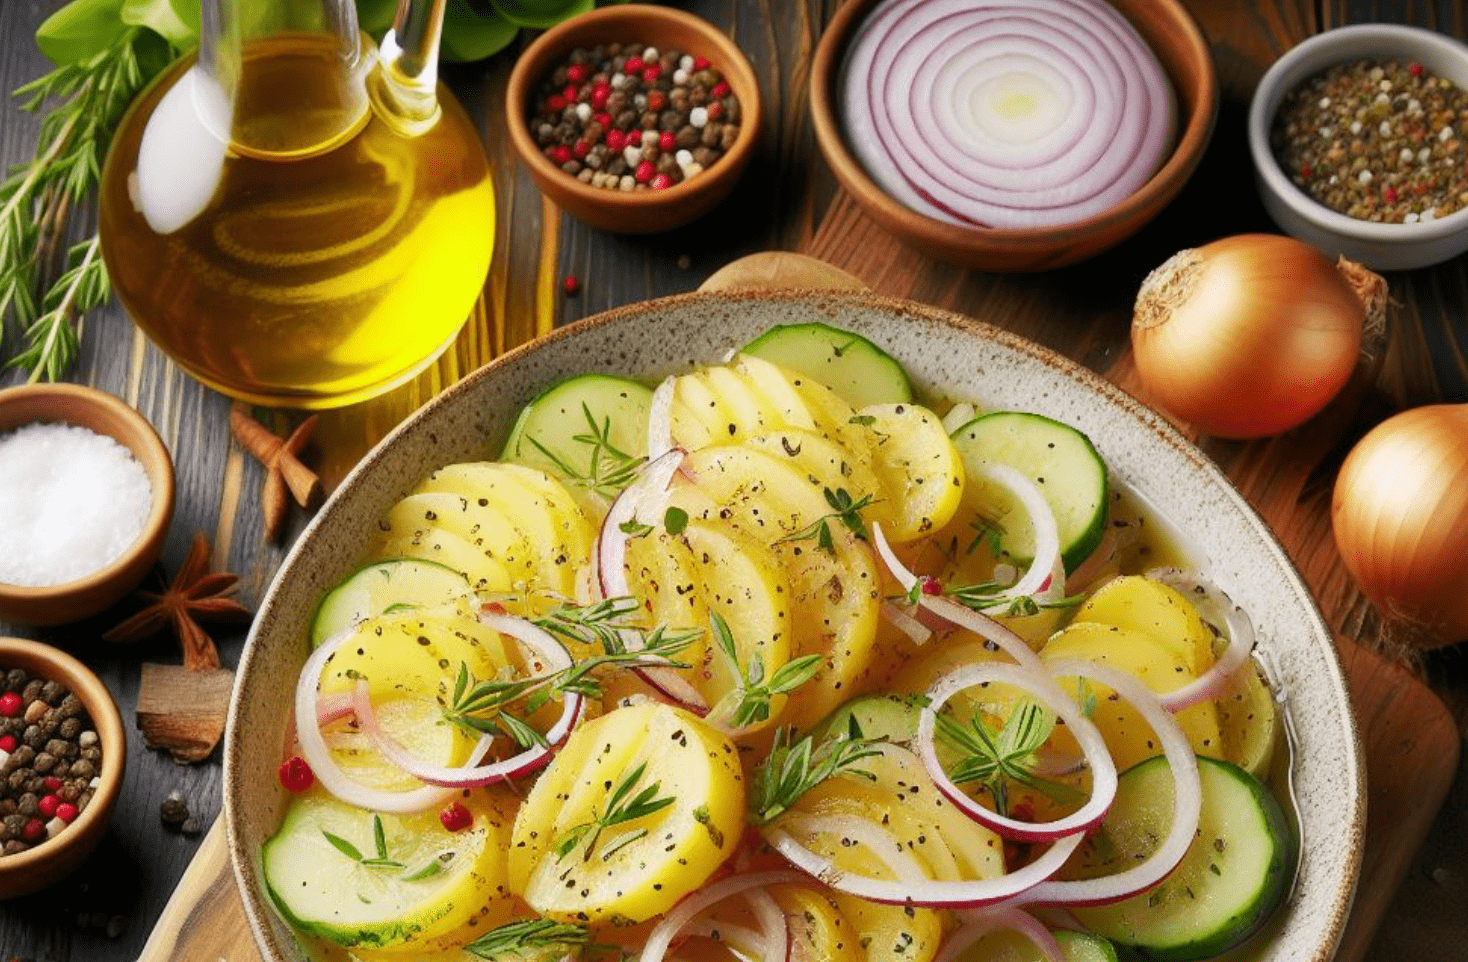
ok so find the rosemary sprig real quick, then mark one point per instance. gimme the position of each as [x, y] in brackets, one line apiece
[609, 623]
[754, 692]
[381, 859]
[89, 98]
[789, 771]
[995, 759]
[609, 469]
[844, 510]
[622, 807]
[529, 938]
[985, 595]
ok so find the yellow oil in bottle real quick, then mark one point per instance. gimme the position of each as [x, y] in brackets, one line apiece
[318, 257]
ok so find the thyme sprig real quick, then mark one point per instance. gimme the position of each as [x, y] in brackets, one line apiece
[791, 770]
[844, 510]
[609, 469]
[985, 595]
[622, 807]
[755, 693]
[995, 759]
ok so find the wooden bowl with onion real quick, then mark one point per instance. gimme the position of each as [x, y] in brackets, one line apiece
[107, 415]
[647, 211]
[1180, 49]
[48, 862]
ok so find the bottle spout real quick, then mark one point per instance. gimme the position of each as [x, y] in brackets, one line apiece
[405, 85]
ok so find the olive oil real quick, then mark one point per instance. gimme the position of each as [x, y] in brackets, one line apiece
[303, 251]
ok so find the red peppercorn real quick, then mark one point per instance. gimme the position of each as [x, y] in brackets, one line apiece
[599, 99]
[34, 830]
[52, 783]
[560, 153]
[700, 63]
[1389, 194]
[661, 182]
[932, 586]
[456, 817]
[720, 90]
[577, 72]
[572, 93]
[651, 74]
[67, 812]
[1414, 68]
[656, 101]
[633, 65]
[580, 148]
[295, 774]
[645, 170]
[554, 104]
[715, 110]
[1306, 171]
[10, 704]
[571, 285]
[616, 140]
[667, 142]
[604, 119]
[47, 805]
[7, 743]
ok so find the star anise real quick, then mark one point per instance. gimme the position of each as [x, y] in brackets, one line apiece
[195, 595]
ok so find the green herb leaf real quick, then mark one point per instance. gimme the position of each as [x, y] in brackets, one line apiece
[622, 806]
[469, 35]
[675, 520]
[789, 771]
[176, 21]
[343, 846]
[528, 938]
[81, 30]
[845, 511]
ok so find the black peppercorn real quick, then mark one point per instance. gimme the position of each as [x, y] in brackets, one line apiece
[174, 811]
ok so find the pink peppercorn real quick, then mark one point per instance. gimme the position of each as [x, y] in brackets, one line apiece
[720, 90]
[700, 63]
[10, 704]
[667, 142]
[604, 119]
[572, 93]
[932, 586]
[52, 783]
[616, 140]
[456, 817]
[651, 74]
[661, 182]
[554, 104]
[571, 285]
[33, 830]
[656, 101]
[576, 72]
[1415, 69]
[295, 775]
[47, 805]
[715, 110]
[600, 92]
[633, 65]
[580, 148]
[67, 812]
[560, 153]
[1389, 194]
[7, 743]
[645, 170]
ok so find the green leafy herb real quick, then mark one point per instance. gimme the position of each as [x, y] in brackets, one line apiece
[528, 939]
[792, 770]
[865, 420]
[379, 838]
[755, 694]
[635, 529]
[987, 594]
[608, 468]
[844, 510]
[995, 759]
[675, 520]
[622, 807]
[987, 531]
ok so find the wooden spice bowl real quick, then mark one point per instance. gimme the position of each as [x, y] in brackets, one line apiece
[104, 414]
[48, 862]
[634, 212]
[1182, 50]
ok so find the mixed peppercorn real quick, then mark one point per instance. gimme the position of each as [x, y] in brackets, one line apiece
[50, 760]
[627, 116]
[1377, 140]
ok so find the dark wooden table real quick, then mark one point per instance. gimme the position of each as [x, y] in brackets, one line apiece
[787, 200]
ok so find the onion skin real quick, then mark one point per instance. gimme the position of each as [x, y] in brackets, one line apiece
[1400, 514]
[1250, 335]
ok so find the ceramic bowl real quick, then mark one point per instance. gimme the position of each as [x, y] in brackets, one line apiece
[1182, 49]
[639, 212]
[100, 412]
[946, 355]
[48, 862]
[1378, 246]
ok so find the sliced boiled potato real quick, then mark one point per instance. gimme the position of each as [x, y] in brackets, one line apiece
[1249, 719]
[891, 933]
[698, 417]
[1132, 601]
[406, 535]
[920, 469]
[642, 867]
[482, 526]
[826, 465]
[747, 409]
[818, 930]
[771, 383]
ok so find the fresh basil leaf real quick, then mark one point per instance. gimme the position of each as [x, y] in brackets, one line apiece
[469, 36]
[81, 29]
[176, 21]
[539, 14]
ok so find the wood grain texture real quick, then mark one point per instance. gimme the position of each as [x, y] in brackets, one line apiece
[786, 201]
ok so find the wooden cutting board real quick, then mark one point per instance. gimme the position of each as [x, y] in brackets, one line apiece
[1408, 737]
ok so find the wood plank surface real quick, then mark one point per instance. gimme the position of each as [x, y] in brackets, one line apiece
[788, 201]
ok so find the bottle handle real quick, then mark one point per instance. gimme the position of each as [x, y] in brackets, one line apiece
[405, 87]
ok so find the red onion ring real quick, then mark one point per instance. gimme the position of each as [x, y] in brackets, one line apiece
[977, 925]
[986, 628]
[655, 949]
[1212, 682]
[1043, 687]
[660, 419]
[772, 922]
[1046, 573]
[903, 865]
[647, 495]
[330, 708]
[916, 632]
[1187, 800]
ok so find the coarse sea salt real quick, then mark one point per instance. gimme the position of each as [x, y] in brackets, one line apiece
[71, 502]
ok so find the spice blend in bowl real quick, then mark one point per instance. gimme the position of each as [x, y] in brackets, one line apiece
[1376, 140]
[628, 116]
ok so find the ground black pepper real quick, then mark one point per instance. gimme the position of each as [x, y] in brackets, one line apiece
[1376, 140]
[626, 116]
[50, 758]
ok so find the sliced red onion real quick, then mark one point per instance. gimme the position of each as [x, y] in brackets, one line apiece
[655, 949]
[643, 500]
[900, 572]
[329, 708]
[985, 627]
[1045, 577]
[1053, 697]
[742, 940]
[772, 922]
[1119, 536]
[324, 766]
[1240, 630]
[984, 922]
[660, 419]
[903, 865]
[916, 632]
[1187, 793]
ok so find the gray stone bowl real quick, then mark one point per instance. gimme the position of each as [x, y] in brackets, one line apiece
[949, 357]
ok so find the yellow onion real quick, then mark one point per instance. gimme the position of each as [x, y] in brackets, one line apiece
[1251, 335]
[1400, 513]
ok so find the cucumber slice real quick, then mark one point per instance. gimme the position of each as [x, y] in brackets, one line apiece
[430, 888]
[893, 717]
[1231, 880]
[385, 585]
[1059, 459]
[556, 432]
[849, 364]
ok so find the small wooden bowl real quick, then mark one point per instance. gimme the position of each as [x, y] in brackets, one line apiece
[38, 867]
[1180, 47]
[640, 212]
[100, 412]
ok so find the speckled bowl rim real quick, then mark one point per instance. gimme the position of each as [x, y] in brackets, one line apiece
[1309, 57]
[1327, 920]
